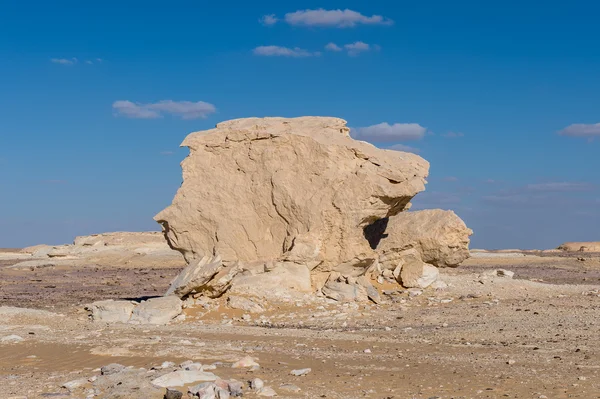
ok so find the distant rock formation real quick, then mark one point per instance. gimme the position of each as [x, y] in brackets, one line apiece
[592, 246]
[274, 194]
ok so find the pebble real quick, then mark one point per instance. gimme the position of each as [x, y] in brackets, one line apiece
[244, 363]
[367, 351]
[301, 372]
[112, 368]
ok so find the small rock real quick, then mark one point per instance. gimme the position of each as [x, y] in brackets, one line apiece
[367, 351]
[257, 384]
[112, 368]
[301, 372]
[11, 338]
[244, 363]
[182, 377]
[72, 385]
[236, 388]
[173, 394]
[511, 362]
[166, 365]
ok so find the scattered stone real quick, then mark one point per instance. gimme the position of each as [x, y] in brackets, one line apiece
[266, 391]
[256, 384]
[195, 276]
[245, 362]
[112, 368]
[72, 385]
[173, 394]
[301, 372]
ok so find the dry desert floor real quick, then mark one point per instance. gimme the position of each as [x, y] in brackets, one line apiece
[532, 336]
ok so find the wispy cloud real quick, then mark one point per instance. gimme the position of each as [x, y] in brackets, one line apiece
[550, 194]
[450, 179]
[582, 130]
[333, 18]
[167, 153]
[453, 135]
[356, 48]
[332, 47]
[182, 109]
[278, 51]
[64, 61]
[404, 148]
[386, 133]
[269, 20]
[353, 49]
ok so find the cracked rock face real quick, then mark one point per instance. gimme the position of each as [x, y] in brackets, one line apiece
[298, 190]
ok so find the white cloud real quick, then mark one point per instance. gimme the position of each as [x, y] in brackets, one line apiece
[386, 133]
[278, 51]
[356, 48]
[269, 20]
[64, 61]
[333, 18]
[183, 109]
[333, 47]
[581, 130]
[404, 148]
[88, 62]
[453, 135]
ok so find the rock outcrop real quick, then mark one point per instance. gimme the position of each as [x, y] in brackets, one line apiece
[592, 246]
[271, 204]
[130, 248]
[298, 189]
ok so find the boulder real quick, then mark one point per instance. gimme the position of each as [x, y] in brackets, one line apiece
[111, 311]
[440, 237]
[157, 310]
[591, 246]
[342, 289]
[298, 190]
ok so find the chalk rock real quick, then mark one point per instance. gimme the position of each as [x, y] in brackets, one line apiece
[157, 310]
[298, 189]
[111, 311]
[580, 246]
[182, 377]
[340, 289]
[440, 237]
[195, 276]
[283, 277]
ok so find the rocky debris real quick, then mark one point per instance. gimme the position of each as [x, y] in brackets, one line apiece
[157, 310]
[160, 310]
[344, 289]
[72, 385]
[502, 273]
[415, 273]
[298, 189]
[440, 237]
[195, 276]
[241, 303]
[591, 246]
[183, 377]
[256, 384]
[111, 311]
[266, 391]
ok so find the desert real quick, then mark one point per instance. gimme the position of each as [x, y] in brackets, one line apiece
[290, 264]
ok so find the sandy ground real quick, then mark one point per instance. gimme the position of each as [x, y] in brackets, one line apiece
[533, 336]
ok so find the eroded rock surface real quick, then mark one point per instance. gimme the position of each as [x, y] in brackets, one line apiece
[592, 246]
[298, 189]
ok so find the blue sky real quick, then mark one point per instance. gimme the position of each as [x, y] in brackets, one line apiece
[501, 98]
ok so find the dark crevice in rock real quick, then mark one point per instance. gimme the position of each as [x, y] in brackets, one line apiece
[375, 232]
